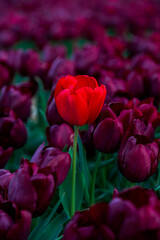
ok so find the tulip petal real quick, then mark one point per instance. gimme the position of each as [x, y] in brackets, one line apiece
[21, 191]
[85, 81]
[45, 186]
[72, 106]
[95, 100]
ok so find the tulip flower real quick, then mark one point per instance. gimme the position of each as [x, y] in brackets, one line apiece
[18, 98]
[12, 130]
[108, 132]
[138, 158]
[86, 57]
[36, 184]
[6, 75]
[59, 136]
[5, 177]
[132, 214]
[14, 223]
[79, 99]
[58, 161]
[135, 209]
[26, 62]
[52, 114]
[5, 155]
[89, 224]
[58, 68]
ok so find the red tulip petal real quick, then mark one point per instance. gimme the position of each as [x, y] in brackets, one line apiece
[65, 83]
[95, 101]
[72, 106]
[85, 81]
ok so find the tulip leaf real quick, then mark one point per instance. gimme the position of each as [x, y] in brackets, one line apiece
[86, 177]
[43, 120]
[65, 188]
[43, 221]
[25, 44]
[54, 228]
[83, 162]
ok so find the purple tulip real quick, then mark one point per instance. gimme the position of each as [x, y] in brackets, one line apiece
[86, 137]
[138, 158]
[12, 132]
[84, 58]
[135, 84]
[154, 80]
[32, 188]
[89, 224]
[50, 53]
[132, 214]
[108, 133]
[25, 62]
[135, 209]
[60, 67]
[59, 136]
[52, 114]
[5, 177]
[55, 159]
[5, 155]
[144, 64]
[6, 75]
[18, 98]
[135, 124]
[14, 223]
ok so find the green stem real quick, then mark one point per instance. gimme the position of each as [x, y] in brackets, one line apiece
[94, 178]
[74, 171]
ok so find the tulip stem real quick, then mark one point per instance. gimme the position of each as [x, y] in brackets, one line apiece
[74, 171]
[92, 201]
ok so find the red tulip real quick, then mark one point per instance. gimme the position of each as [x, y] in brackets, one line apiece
[79, 99]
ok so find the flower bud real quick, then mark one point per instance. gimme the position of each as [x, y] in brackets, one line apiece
[59, 136]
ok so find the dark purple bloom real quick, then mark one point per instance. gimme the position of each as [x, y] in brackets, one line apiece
[60, 135]
[6, 75]
[138, 158]
[154, 80]
[84, 58]
[134, 123]
[60, 67]
[5, 177]
[136, 84]
[132, 214]
[25, 62]
[52, 114]
[12, 131]
[86, 137]
[5, 155]
[50, 53]
[14, 223]
[137, 210]
[89, 224]
[31, 187]
[108, 133]
[18, 98]
[144, 64]
[58, 161]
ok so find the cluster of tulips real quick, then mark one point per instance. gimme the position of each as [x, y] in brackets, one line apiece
[100, 68]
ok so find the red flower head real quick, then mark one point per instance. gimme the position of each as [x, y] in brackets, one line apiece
[79, 99]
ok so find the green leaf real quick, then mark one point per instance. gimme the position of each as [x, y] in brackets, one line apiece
[43, 221]
[83, 162]
[86, 177]
[25, 44]
[54, 227]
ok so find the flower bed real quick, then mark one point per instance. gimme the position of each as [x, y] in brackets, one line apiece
[79, 120]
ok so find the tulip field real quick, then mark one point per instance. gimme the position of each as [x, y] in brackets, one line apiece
[79, 120]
